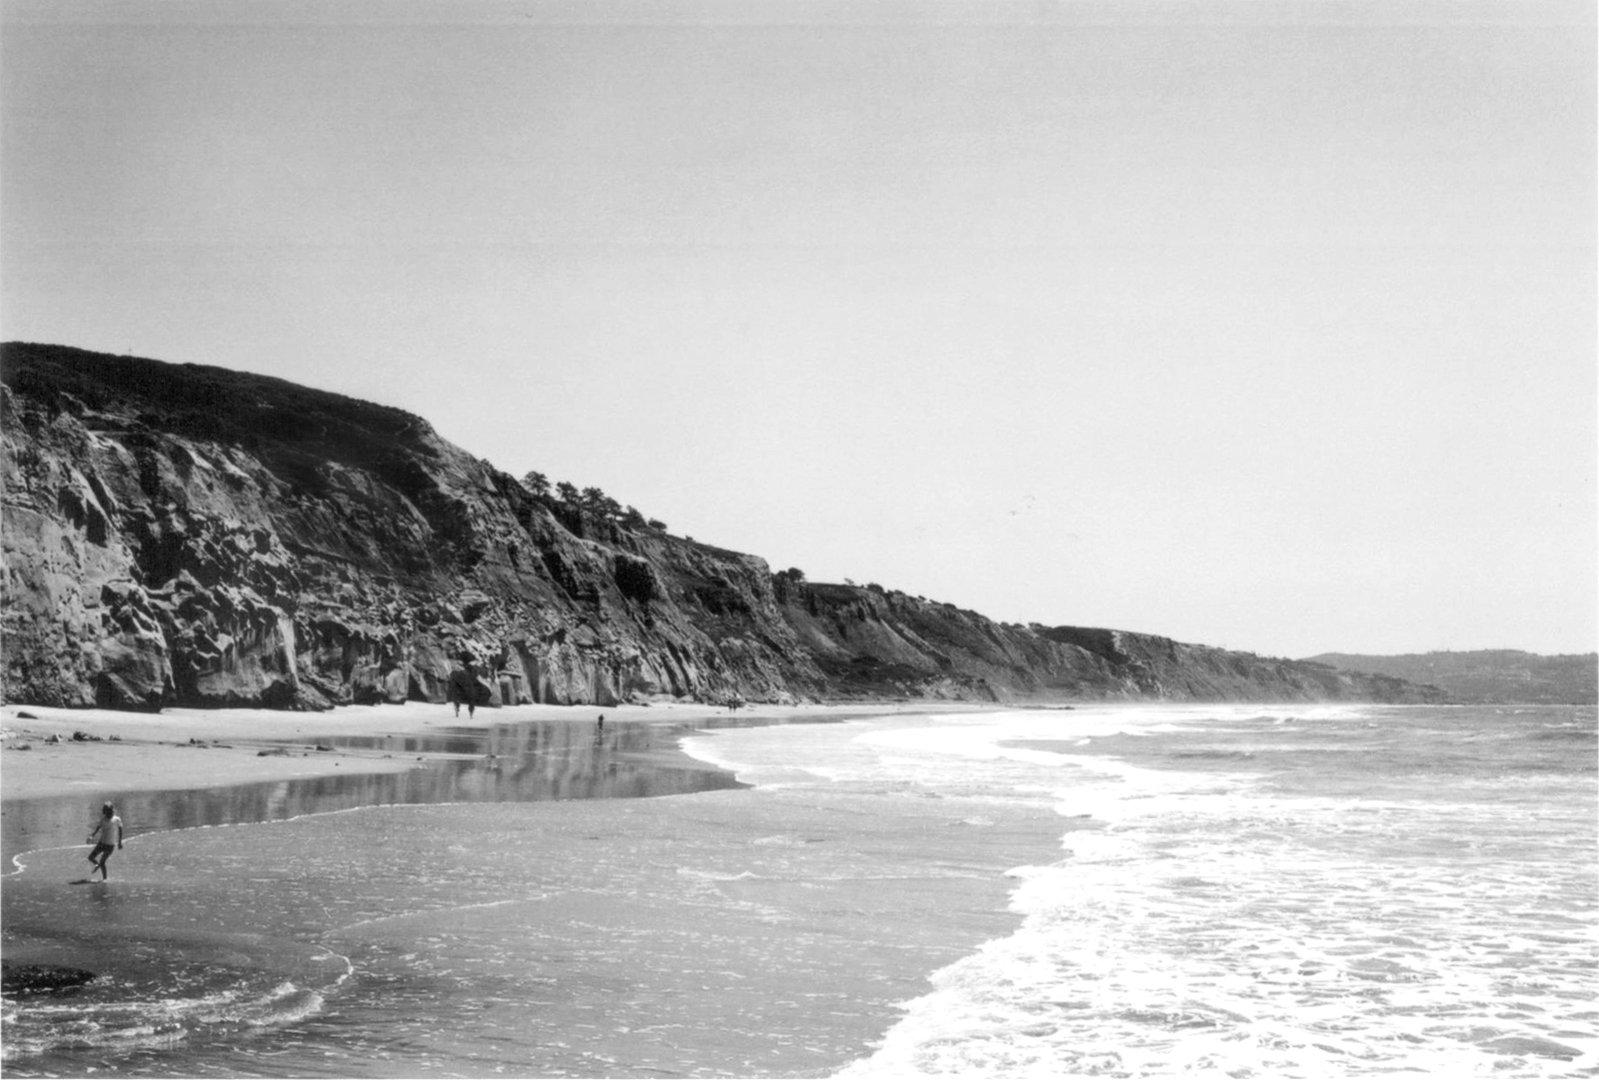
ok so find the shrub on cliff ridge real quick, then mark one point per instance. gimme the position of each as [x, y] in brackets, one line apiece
[200, 401]
[537, 484]
[635, 579]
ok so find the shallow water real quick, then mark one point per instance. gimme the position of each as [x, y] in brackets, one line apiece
[707, 934]
[1142, 891]
[701, 935]
[1333, 891]
[525, 761]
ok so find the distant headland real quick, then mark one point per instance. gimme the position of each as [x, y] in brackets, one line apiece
[1488, 676]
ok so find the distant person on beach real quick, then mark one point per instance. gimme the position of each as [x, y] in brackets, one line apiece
[109, 826]
[600, 722]
[463, 687]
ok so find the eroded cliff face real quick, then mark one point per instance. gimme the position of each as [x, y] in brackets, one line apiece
[177, 534]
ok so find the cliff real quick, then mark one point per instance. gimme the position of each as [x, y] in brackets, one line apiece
[180, 534]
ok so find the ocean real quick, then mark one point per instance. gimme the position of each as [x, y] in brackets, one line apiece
[1130, 891]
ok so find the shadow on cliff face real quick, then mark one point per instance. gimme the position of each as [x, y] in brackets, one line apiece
[522, 762]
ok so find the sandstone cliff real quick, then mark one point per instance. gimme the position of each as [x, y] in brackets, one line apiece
[178, 534]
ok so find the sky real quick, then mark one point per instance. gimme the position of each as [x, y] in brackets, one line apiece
[1268, 325]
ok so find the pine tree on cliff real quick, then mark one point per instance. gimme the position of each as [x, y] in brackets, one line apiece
[537, 484]
[600, 505]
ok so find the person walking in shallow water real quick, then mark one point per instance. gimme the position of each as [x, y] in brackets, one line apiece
[109, 828]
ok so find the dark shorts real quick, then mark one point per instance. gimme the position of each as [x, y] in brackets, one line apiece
[98, 848]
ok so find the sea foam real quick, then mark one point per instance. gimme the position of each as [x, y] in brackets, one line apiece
[1215, 921]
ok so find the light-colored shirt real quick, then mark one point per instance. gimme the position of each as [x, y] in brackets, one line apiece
[109, 831]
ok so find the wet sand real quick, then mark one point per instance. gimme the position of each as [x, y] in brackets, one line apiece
[188, 767]
[722, 933]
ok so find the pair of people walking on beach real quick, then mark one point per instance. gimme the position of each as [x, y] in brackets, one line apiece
[463, 687]
[106, 838]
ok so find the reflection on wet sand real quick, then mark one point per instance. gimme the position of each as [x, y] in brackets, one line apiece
[517, 762]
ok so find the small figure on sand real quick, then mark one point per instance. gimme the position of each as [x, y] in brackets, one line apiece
[108, 827]
[600, 723]
[463, 687]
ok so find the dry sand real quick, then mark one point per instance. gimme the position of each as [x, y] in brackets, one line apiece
[180, 749]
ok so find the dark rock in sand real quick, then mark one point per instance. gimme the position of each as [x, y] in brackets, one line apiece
[188, 535]
[18, 979]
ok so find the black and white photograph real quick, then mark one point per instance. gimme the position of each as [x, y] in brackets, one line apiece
[853, 539]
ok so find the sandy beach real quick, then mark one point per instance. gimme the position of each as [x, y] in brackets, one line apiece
[185, 767]
[180, 749]
[446, 928]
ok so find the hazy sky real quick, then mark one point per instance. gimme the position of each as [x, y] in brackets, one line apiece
[1264, 324]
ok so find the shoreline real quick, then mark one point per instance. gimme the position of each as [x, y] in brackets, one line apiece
[756, 935]
[185, 767]
[192, 749]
